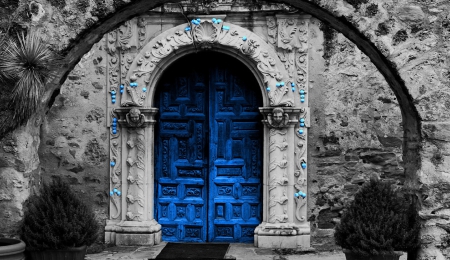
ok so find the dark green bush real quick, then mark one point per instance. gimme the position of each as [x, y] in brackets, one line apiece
[378, 221]
[57, 219]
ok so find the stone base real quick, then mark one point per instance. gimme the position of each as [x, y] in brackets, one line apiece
[133, 233]
[283, 235]
[300, 241]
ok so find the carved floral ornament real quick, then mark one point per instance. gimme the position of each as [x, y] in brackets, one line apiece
[207, 34]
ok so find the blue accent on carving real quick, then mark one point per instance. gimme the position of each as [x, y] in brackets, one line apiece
[268, 89]
[300, 131]
[302, 92]
[118, 193]
[113, 96]
[113, 92]
[282, 83]
[122, 87]
[115, 190]
[302, 120]
[304, 165]
[121, 91]
[226, 28]
[113, 101]
[302, 96]
[114, 119]
[114, 131]
[114, 124]
[199, 20]
[302, 124]
[111, 193]
[144, 89]
[112, 163]
[219, 21]
[302, 100]
[296, 195]
[292, 84]
[278, 85]
[293, 89]
[244, 38]
[187, 29]
[214, 20]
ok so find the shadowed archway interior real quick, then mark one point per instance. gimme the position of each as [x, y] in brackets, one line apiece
[208, 150]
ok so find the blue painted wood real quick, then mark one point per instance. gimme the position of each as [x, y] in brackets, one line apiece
[208, 150]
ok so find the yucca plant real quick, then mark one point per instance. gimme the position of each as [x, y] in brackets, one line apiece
[26, 64]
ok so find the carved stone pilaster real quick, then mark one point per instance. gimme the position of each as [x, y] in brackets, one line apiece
[131, 220]
[284, 224]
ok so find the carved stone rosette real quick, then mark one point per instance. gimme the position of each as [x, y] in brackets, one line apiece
[285, 215]
[131, 220]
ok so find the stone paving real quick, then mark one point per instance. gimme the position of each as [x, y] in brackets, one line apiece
[235, 251]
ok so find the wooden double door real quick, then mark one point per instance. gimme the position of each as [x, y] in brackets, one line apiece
[208, 150]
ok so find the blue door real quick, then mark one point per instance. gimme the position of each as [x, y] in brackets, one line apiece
[208, 150]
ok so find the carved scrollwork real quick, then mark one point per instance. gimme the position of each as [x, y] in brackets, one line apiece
[115, 171]
[287, 28]
[135, 118]
[206, 34]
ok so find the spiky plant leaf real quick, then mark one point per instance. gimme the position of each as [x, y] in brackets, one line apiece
[27, 63]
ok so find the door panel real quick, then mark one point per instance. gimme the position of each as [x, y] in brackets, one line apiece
[235, 145]
[208, 151]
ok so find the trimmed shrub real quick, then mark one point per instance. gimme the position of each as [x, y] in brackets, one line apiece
[378, 221]
[57, 219]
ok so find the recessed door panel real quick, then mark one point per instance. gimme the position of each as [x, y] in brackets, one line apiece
[208, 151]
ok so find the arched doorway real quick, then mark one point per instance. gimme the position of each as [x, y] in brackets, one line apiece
[208, 150]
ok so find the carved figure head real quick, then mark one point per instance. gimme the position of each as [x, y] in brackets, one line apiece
[135, 115]
[277, 115]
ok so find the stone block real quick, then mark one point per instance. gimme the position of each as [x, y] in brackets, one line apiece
[135, 239]
[282, 241]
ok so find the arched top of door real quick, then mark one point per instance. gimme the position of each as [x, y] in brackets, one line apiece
[244, 45]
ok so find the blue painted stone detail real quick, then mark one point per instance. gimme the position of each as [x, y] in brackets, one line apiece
[187, 29]
[302, 100]
[282, 83]
[115, 190]
[113, 163]
[219, 21]
[226, 28]
[293, 89]
[144, 89]
[118, 193]
[292, 84]
[114, 119]
[122, 87]
[268, 89]
[244, 38]
[214, 20]
[304, 165]
[302, 91]
[208, 147]
[300, 131]
[113, 101]
[302, 96]
[114, 131]
[113, 96]
[121, 91]
[302, 120]
[278, 85]
[111, 193]
[302, 124]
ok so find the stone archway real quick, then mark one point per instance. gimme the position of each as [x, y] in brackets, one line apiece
[286, 121]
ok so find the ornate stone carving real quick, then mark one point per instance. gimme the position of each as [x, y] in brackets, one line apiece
[206, 34]
[135, 118]
[300, 171]
[278, 175]
[272, 30]
[115, 170]
[287, 27]
[126, 33]
[135, 174]
[277, 119]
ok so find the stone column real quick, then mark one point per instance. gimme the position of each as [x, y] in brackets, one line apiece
[285, 187]
[131, 219]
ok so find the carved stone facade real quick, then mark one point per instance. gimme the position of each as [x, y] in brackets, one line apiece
[279, 63]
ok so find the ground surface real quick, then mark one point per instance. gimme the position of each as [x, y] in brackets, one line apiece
[235, 251]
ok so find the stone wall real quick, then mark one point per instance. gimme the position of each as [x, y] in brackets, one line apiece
[414, 38]
[355, 132]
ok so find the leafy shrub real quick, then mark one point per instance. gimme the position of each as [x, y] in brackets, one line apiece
[378, 222]
[57, 219]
